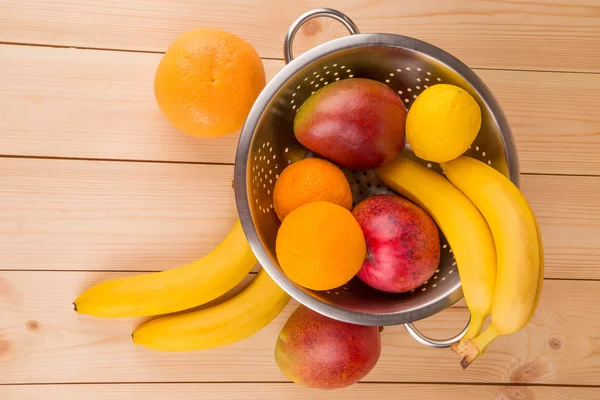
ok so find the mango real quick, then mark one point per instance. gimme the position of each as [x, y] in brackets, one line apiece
[356, 123]
[319, 352]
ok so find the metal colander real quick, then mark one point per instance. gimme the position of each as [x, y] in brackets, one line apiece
[267, 145]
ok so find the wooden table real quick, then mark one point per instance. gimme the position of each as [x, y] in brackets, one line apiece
[95, 184]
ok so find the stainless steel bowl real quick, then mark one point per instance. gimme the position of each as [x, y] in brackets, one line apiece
[267, 145]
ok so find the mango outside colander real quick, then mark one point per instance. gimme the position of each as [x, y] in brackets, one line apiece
[267, 145]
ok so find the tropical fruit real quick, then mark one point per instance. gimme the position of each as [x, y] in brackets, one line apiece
[319, 352]
[356, 123]
[176, 289]
[463, 225]
[229, 322]
[518, 246]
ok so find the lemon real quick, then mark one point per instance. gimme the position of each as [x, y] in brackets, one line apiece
[442, 123]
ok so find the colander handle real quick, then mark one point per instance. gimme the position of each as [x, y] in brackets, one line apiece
[307, 16]
[436, 343]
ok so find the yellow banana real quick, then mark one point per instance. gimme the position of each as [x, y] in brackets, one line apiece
[226, 323]
[464, 227]
[518, 246]
[176, 289]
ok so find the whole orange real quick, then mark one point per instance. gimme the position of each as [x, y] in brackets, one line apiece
[207, 81]
[320, 246]
[308, 180]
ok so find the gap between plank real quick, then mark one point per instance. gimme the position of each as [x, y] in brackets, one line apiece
[125, 160]
[92, 270]
[291, 383]
[62, 46]
[536, 70]
[557, 174]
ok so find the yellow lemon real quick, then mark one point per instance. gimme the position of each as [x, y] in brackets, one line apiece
[442, 123]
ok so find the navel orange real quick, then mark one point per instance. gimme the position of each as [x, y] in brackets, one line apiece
[320, 246]
[207, 81]
[308, 180]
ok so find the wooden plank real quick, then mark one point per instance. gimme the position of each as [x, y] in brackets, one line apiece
[93, 215]
[42, 340]
[568, 212]
[94, 104]
[553, 119]
[524, 34]
[100, 104]
[276, 391]
[57, 214]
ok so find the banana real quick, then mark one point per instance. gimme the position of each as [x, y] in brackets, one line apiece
[226, 323]
[463, 225]
[518, 246]
[176, 289]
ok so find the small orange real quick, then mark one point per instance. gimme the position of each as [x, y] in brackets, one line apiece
[320, 246]
[308, 180]
[207, 81]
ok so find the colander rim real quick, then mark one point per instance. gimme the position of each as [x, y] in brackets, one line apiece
[241, 174]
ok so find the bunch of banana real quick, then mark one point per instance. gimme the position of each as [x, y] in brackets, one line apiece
[493, 234]
[187, 287]
[463, 225]
[226, 323]
[518, 246]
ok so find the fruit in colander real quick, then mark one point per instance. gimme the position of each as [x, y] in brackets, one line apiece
[320, 246]
[442, 123]
[403, 243]
[356, 123]
[308, 180]
[319, 352]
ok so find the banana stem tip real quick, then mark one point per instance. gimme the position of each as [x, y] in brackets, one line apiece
[467, 350]
[464, 363]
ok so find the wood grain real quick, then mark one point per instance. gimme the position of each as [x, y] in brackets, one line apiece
[276, 391]
[523, 34]
[100, 104]
[552, 118]
[57, 214]
[568, 211]
[96, 215]
[44, 341]
[95, 104]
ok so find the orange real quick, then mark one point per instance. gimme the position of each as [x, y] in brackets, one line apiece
[207, 81]
[320, 246]
[311, 179]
